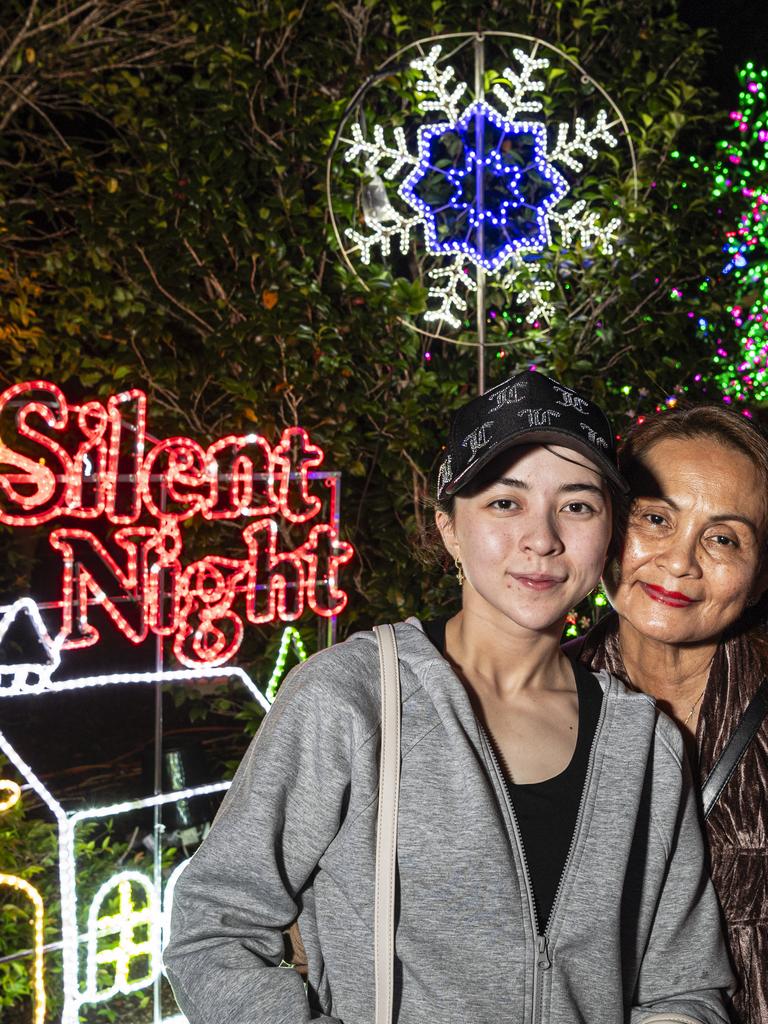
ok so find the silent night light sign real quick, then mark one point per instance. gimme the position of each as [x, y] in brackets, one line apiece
[95, 462]
[117, 500]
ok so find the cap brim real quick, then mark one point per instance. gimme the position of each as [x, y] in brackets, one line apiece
[549, 436]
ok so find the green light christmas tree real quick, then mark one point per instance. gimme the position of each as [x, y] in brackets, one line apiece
[741, 176]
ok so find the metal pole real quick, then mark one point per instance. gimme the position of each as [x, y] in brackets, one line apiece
[479, 48]
[157, 819]
[335, 517]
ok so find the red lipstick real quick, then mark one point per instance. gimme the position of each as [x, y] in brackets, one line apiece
[672, 598]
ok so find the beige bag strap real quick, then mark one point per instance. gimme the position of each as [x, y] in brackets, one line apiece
[386, 832]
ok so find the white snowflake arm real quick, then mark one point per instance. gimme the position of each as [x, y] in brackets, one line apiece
[536, 294]
[534, 291]
[610, 232]
[509, 281]
[439, 83]
[582, 142]
[379, 152]
[512, 92]
[451, 302]
[382, 235]
[577, 222]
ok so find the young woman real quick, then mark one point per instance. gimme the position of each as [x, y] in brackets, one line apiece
[550, 865]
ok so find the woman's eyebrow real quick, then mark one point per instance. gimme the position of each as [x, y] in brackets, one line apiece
[719, 517]
[657, 497]
[568, 488]
[509, 481]
[734, 517]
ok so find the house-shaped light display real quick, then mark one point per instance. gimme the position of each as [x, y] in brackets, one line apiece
[111, 941]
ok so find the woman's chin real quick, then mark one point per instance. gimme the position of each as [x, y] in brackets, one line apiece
[664, 629]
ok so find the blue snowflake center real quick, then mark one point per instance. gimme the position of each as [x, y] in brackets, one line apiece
[484, 187]
[486, 178]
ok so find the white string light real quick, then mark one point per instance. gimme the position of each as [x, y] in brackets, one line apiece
[170, 888]
[23, 678]
[517, 209]
[38, 982]
[151, 912]
[125, 923]
[33, 895]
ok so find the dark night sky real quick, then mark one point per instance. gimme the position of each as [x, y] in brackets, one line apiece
[742, 27]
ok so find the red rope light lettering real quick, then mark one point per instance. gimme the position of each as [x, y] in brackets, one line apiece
[38, 481]
[94, 461]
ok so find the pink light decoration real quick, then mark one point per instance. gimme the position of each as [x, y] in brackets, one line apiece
[98, 468]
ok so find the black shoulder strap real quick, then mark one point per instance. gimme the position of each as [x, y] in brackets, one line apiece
[734, 750]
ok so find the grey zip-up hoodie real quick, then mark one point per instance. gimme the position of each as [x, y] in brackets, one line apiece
[634, 933]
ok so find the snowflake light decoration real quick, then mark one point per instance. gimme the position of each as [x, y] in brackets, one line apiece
[484, 186]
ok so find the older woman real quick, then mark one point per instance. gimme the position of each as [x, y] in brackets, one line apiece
[693, 564]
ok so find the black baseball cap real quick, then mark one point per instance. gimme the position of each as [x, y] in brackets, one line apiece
[529, 408]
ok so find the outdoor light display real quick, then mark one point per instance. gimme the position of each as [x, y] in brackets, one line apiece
[13, 793]
[741, 173]
[115, 502]
[123, 946]
[484, 186]
[94, 462]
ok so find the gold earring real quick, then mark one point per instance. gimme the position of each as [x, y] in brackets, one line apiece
[459, 570]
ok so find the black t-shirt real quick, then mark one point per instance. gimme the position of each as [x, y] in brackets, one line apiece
[547, 811]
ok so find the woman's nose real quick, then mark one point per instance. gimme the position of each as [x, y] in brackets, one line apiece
[679, 557]
[541, 536]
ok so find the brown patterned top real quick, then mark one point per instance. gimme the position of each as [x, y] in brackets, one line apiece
[737, 828]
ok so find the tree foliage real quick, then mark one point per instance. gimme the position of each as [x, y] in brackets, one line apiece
[163, 223]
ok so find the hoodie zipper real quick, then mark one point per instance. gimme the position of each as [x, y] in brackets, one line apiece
[542, 961]
[580, 813]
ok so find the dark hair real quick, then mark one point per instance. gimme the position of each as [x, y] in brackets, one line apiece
[724, 426]
[431, 550]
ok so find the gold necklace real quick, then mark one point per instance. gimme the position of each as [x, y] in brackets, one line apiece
[694, 706]
[632, 686]
[689, 716]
